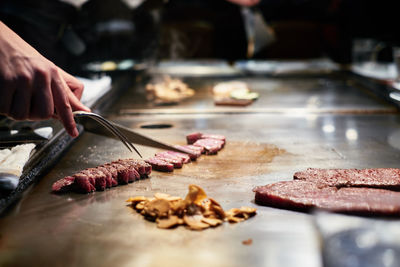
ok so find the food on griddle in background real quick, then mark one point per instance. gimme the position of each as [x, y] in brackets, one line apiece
[169, 91]
[364, 191]
[108, 66]
[196, 211]
[385, 178]
[202, 143]
[118, 172]
[232, 102]
[236, 93]
[224, 89]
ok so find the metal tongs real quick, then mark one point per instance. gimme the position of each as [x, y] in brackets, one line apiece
[97, 124]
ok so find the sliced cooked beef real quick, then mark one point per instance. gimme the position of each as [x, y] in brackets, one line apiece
[140, 166]
[114, 173]
[202, 143]
[184, 157]
[123, 173]
[63, 185]
[197, 148]
[84, 183]
[107, 174]
[193, 151]
[214, 136]
[98, 177]
[304, 195]
[388, 178]
[103, 176]
[211, 146]
[176, 161]
[193, 137]
[160, 165]
[130, 170]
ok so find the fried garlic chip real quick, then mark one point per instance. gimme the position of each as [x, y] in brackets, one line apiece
[196, 195]
[195, 222]
[169, 222]
[212, 222]
[196, 211]
[135, 200]
[157, 208]
[238, 215]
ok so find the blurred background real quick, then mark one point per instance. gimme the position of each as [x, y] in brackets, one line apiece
[75, 32]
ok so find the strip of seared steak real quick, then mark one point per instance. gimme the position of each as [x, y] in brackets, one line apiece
[386, 178]
[193, 137]
[202, 144]
[304, 195]
[160, 164]
[184, 157]
[211, 146]
[193, 151]
[174, 160]
[104, 176]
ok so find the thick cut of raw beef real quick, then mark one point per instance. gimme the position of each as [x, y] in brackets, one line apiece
[304, 195]
[387, 178]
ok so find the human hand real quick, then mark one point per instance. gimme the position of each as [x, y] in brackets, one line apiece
[245, 2]
[32, 87]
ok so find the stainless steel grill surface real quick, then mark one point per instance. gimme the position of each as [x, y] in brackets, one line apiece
[321, 122]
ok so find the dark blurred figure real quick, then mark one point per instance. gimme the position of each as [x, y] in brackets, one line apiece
[202, 29]
[182, 29]
[43, 24]
[316, 27]
[98, 30]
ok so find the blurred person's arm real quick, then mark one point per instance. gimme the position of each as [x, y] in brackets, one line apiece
[32, 87]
